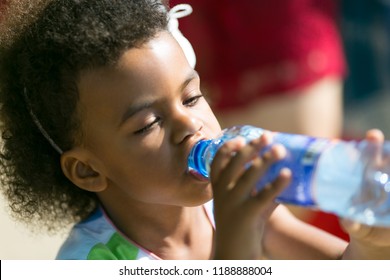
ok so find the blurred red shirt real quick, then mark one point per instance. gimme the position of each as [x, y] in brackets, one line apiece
[252, 49]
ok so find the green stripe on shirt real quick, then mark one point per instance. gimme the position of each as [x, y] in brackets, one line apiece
[117, 248]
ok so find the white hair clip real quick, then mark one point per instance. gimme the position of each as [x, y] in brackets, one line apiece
[38, 123]
[175, 13]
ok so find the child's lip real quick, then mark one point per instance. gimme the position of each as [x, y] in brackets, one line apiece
[197, 176]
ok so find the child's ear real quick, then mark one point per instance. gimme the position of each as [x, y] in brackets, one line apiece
[80, 167]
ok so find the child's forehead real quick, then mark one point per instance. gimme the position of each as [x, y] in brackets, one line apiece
[157, 63]
[160, 54]
[161, 47]
[161, 44]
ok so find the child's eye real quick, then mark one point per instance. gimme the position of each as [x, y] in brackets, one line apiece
[192, 101]
[149, 126]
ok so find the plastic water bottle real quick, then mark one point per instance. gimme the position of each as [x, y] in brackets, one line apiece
[350, 179]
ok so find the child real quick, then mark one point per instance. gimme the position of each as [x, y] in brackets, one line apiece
[100, 109]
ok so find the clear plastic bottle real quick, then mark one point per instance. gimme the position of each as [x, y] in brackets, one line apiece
[350, 179]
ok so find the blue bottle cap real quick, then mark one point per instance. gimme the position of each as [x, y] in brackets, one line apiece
[196, 161]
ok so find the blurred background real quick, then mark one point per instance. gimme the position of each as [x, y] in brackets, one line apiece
[365, 29]
[317, 67]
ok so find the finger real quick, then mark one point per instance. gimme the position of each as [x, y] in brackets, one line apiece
[375, 135]
[268, 194]
[356, 229]
[238, 163]
[274, 189]
[258, 168]
[376, 138]
[224, 155]
[225, 152]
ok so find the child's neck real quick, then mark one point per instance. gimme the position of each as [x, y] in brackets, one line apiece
[170, 232]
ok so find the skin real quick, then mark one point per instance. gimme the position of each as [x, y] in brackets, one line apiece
[293, 111]
[258, 227]
[140, 119]
[368, 242]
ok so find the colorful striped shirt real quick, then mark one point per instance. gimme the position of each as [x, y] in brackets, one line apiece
[97, 238]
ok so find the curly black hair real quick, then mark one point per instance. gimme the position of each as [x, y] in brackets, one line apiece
[40, 66]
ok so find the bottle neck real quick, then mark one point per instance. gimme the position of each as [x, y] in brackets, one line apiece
[196, 159]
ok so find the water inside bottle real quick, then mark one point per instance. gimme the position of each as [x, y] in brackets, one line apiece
[371, 206]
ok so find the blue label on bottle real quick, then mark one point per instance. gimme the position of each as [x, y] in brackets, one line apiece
[302, 156]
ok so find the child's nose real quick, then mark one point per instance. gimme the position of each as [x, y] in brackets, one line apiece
[185, 124]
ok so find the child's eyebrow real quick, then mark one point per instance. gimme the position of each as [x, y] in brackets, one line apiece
[134, 109]
[193, 75]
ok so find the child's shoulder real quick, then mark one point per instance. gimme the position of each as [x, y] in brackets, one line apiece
[97, 238]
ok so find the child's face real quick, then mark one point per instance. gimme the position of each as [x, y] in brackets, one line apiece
[140, 120]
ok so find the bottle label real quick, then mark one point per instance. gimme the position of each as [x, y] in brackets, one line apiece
[302, 156]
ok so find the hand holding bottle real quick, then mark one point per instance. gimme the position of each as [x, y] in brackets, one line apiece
[335, 176]
[240, 211]
[369, 242]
